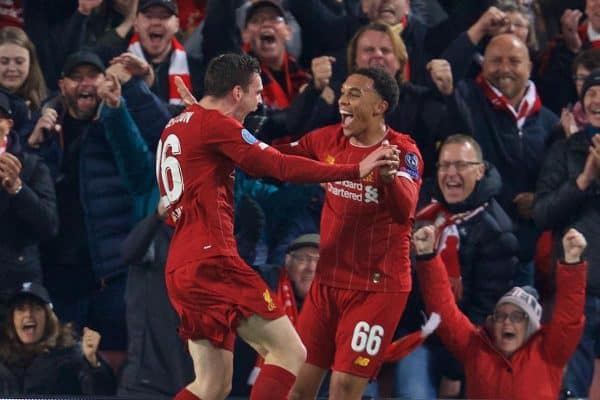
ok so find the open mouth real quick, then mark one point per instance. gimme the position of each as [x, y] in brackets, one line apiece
[267, 38]
[508, 335]
[347, 118]
[86, 99]
[29, 328]
[156, 36]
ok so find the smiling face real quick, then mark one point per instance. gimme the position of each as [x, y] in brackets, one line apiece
[507, 66]
[29, 319]
[361, 107]
[156, 27]
[509, 328]
[79, 89]
[301, 265]
[267, 33]
[375, 49]
[14, 66]
[459, 170]
[591, 105]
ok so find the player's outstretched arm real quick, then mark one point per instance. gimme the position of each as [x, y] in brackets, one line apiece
[263, 160]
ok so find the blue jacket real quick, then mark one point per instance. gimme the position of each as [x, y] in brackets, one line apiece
[115, 165]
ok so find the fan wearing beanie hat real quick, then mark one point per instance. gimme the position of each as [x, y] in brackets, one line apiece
[520, 305]
[513, 356]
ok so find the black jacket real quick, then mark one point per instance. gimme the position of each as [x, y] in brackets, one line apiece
[488, 247]
[60, 371]
[27, 218]
[560, 204]
[157, 365]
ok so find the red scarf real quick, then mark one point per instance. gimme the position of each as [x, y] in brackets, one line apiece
[274, 95]
[530, 104]
[588, 35]
[400, 348]
[447, 236]
[287, 299]
[178, 66]
[3, 144]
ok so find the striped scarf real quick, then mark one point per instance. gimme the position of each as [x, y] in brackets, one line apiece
[530, 104]
[3, 144]
[589, 37]
[178, 66]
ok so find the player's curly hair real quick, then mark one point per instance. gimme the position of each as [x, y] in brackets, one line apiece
[383, 83]
[226, 71]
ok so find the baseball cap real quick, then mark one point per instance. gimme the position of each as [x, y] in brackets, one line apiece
[82, 57]
[168, 4]
[32, 289]
[261, 4]
[5, 104]
[310, 239]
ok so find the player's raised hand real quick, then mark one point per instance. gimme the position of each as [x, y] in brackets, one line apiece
[187, 96]
[382, 156]
[388, 172]
[573, 244]
[424, 240]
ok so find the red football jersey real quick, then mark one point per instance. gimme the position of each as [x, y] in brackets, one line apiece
[365, 223]
[196, 157]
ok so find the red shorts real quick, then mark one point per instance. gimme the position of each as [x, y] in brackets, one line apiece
[212, 296]
[348, 330]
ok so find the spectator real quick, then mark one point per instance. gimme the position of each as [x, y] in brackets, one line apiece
[21, 77]
[503, 112]
[20, 72]
[572, 116]
[474, 239]
[27, 209]
[567, 196]
[577, 34]
[264, 35]
[156, 24]
[507, 16]
[100, 161]
[108, 26]
[157, 363]
[512, 356]
[315, 18]
[57, 29]
[39, 355]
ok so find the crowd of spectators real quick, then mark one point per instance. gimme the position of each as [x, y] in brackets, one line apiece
[501, 97]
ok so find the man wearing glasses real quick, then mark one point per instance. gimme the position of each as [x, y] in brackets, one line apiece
[474, 239]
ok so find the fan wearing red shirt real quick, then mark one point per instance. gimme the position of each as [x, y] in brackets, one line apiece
[214, 293]
[363, 276]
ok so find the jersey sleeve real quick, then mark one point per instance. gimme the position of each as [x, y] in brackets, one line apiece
[259, 159]
[303, 147]
[403, 191]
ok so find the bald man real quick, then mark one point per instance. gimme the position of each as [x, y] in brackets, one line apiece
[501, 109]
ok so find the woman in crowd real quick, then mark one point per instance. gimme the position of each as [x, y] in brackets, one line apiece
[512, 356]
[40, 355]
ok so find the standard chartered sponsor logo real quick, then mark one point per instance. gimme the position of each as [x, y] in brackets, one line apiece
[371, 194]
[354, 191]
